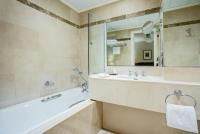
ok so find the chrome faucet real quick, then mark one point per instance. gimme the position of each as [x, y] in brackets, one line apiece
[143, 73]
[136, 74]
[49, 83]
[84, 85]
[130, 73]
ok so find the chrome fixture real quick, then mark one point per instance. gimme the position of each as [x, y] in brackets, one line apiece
[49, 83]
[143, 73]
[84, 85]
[130, 73]
[178, 93]
[136, 74]
[76, 103]
[51, 98]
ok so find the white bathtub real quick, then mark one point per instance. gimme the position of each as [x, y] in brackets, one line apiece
[36, 117]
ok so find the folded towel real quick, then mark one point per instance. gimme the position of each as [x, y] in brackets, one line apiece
[182, 117]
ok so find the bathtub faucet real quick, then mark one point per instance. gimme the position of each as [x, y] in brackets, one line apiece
[84, 85]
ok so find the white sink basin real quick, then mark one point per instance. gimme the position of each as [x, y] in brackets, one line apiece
[126, 77]
[145, 78]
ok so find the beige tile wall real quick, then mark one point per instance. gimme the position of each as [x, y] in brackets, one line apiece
[34, 48]
[181, 74]
[59, 9]
[87, 121]
[121, 7]
[125, 120]
[184, 14]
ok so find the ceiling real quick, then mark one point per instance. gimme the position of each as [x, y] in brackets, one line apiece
[135, 22]
[177, 4]
[84, 5]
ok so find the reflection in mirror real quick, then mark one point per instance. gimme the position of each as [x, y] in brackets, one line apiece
[134, 41]
[182, 33]
[144, 48]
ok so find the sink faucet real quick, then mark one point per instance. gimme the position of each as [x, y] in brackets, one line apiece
[84, 87]
[136, 74]
[143, 73]
[130, 73]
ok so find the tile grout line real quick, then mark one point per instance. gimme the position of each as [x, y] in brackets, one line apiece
[182, 23]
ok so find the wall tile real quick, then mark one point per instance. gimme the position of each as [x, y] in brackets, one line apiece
[87, 121]
[127, 120]
[35, 48]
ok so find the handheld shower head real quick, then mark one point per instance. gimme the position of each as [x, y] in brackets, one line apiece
[77, 71]
[80, 74]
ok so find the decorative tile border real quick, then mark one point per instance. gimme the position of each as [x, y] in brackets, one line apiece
[32, 5]
[182, 23]
[122, 17]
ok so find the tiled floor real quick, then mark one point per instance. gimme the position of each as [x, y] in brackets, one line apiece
[104, 132]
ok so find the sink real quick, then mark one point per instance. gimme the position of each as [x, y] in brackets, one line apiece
[126, 77]
[151, 78]
[143, 78]
[132, 77]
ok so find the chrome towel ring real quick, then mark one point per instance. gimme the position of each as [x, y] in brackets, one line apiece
[179, 93]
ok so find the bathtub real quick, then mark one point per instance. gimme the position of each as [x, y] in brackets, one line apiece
[39, 115]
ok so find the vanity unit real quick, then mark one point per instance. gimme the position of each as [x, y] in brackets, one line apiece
[142, 92]
[164, 43]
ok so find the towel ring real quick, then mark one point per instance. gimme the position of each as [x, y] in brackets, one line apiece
[179, 93]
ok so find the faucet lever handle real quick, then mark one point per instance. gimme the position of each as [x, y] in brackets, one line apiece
[143, 73]
[136, 73]
[130, 73]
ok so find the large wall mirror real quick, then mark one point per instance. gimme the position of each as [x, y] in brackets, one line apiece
[181, 33]
[134, 41]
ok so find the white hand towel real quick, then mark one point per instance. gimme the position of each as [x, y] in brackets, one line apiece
[182, 117]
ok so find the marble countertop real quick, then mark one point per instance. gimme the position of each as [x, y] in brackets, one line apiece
[151, 79]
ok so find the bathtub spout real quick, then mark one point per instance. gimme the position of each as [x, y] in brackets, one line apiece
[81, 75]
[84, 87]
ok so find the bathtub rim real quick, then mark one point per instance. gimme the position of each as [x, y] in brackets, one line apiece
[35, 99]
[54, 120]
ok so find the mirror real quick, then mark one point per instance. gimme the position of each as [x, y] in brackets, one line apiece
[181, 20]
[134, 41]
